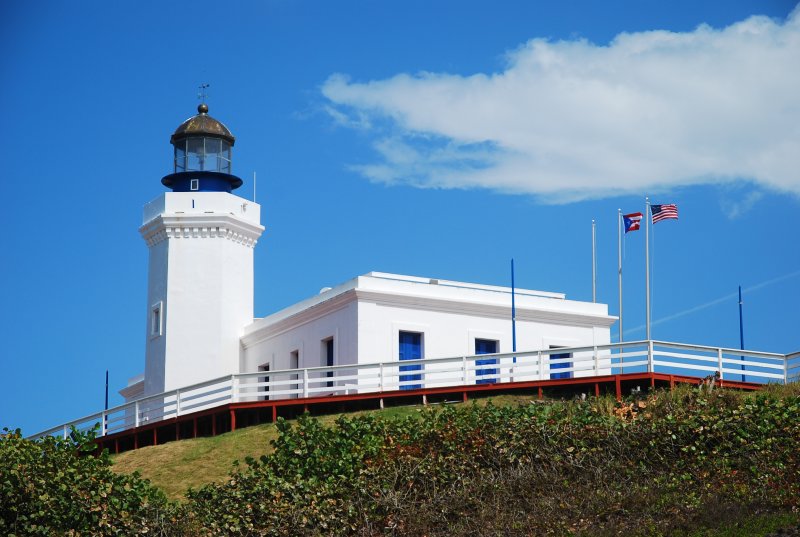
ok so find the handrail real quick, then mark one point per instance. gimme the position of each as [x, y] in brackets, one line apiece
[587, 360]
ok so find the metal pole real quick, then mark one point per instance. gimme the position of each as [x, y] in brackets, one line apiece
[594, 262]
[619, 269]
[106, 407]
[741, 332]
[647, 264]
[513, 314]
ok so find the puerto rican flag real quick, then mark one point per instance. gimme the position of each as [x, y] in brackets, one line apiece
[632, 221]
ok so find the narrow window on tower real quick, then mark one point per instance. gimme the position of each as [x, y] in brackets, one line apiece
[194, 184]
[156, 322]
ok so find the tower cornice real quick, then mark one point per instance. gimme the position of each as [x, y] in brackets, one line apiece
[201, 226]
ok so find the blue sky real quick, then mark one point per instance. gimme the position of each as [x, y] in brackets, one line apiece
[429, 138]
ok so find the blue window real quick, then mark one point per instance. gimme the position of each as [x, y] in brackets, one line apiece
[562, 365]
[485, 346]
[410, 349]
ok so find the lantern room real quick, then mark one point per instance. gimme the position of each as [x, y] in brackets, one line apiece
[202, 161]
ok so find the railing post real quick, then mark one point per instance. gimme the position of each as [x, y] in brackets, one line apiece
[234, 389]
[136, 414]
[464, 370]
[380, 377]
[596, 363]
[650, 365]
[104, 427]
[65, 432]
[177, 403]
[305, 383]
[786, 369]
[719, 363]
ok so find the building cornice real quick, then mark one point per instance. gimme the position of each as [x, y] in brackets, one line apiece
[201, 226]
[264, 329]
[486, 310]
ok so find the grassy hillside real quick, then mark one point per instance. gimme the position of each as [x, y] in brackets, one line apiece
[684, 462]
[176, 466]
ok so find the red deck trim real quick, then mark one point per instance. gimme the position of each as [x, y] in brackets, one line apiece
[613, 383]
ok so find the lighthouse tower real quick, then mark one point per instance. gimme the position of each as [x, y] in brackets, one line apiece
[200, 274]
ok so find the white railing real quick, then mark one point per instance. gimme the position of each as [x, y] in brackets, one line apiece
[545, 364]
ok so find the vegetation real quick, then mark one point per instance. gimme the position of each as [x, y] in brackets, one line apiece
[684, 462]
[58, 487]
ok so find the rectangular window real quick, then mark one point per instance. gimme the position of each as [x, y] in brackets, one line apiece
[294, 363]
[485, 375]
[562, 365]
[265, 389]
[327, 349]
[156, 321]
[410, 348]
[194, 184]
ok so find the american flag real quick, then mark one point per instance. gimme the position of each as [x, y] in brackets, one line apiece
[663, 212]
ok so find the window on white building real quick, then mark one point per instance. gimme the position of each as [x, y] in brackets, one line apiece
[485, 375]
[265, 389]
[156, 321]
[560, 365]
[327, 355]
[194, 184]
[410, 348]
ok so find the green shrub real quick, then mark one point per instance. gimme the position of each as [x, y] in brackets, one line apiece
[643, 467]
[54, 486]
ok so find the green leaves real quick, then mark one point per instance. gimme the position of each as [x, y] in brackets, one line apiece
[61, 487]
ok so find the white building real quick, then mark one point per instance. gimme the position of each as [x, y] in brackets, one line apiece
[200, 322]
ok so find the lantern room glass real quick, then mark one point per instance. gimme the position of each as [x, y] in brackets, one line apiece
[203, 154]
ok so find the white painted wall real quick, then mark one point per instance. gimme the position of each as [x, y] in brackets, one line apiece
[201, 273]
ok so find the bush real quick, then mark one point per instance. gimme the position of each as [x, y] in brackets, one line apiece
[54, 486]
[652, 467]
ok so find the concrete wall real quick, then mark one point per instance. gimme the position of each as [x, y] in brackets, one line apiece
[201, 277]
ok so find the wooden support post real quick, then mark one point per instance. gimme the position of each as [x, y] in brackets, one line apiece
[194, 427]
[671, 382]
[274, 413]
[540, 392]
[135, 440]
[116, 446]
[652, 380]
[464, 397]
[233, 420]
[381, 403]
[213, 425]
[155, 436]
[618, 387]
[597, 389]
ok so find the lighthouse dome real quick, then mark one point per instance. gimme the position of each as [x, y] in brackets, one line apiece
[202, 125]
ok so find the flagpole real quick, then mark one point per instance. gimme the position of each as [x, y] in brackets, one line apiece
[619, 269]
[647, 264]
[741, 332]
[594, 263]
[513, 314]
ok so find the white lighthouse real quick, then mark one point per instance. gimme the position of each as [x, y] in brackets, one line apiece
[200, 276]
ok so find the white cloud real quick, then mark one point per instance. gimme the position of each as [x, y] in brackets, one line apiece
[570, 120]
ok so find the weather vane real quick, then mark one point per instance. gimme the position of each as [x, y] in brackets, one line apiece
[202, 93]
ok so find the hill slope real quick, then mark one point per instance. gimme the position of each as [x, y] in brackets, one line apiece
[676, 463]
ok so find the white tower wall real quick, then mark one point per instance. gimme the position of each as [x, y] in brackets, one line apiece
[200, 285]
